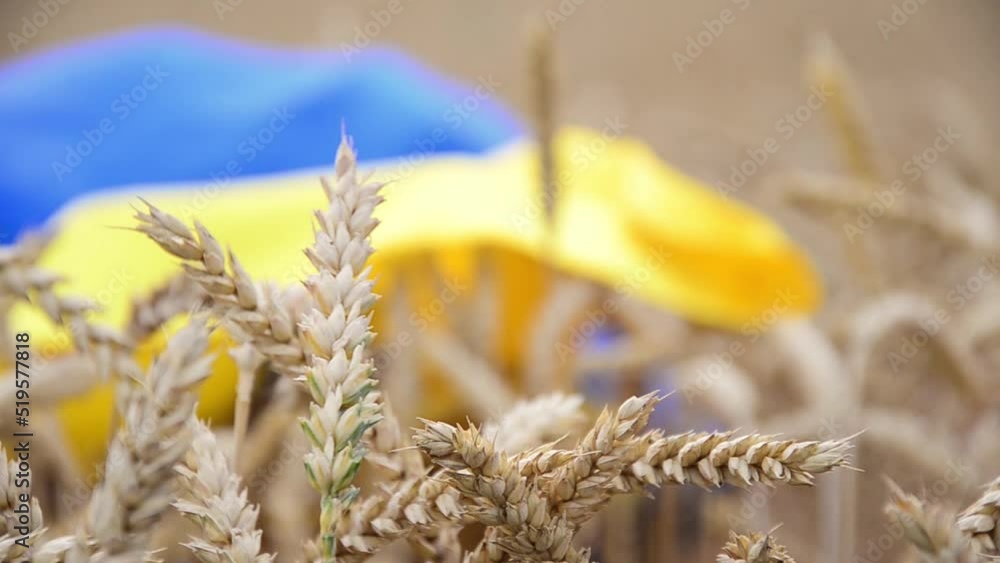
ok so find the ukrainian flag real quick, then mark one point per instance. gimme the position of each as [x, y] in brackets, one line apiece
[235, 135]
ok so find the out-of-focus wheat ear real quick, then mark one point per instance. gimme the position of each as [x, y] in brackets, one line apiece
[155, 435]
[21, 279]
[542, 56]
[842, 195]
[828, 74]
[213, 498]
[732, 394]
[550, 352]
[180, 294]
[753, 548]
[536, 421]
[14, 544]
[26, 253]
[931, 529]
[390, 449]
[891, 311]
[400, 370]
[980, 522]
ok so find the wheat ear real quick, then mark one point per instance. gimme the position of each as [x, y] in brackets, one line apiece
[523, 524]
[932, 530]
[14, 542]
[257, 315]
[417, 505]
[216, 501]
[533, 422]
[753, 548]
[24, 254]
[337, 335]
[155, 435]
[150, 312]
[21, 279]
[414, 507]
[980, 522]
[712, 459]
[582, 486]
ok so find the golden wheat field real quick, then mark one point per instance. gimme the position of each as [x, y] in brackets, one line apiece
[588, 281]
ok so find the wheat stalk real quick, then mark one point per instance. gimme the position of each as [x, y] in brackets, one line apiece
[248, 362]
[216, 501]
[481, 385]
[753, 548]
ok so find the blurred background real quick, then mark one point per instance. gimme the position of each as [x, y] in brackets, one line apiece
[615, 59]
[704, 85]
